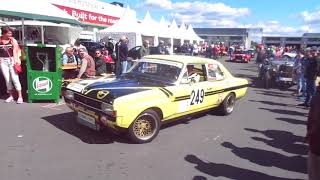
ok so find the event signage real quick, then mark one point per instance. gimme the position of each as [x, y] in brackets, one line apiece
[89, 17]
[42, 84]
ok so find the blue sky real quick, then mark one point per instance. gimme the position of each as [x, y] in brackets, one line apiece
[276, 17]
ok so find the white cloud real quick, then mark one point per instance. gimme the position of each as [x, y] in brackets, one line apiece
[311, 17]
[275, 28]
[199, 13]
[162, 4]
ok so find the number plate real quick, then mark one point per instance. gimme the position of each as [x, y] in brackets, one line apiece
[86, 118]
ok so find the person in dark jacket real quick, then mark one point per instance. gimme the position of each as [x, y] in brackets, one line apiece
[122, 56]
[310, 75]
[101, 67]
[161, 49]
[313, 135]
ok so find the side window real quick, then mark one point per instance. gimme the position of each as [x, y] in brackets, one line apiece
[214, 73]
[197, 71]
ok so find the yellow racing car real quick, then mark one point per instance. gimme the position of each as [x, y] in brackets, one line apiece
[156, 89]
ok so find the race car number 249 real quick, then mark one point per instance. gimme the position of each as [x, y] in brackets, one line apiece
[197, 96]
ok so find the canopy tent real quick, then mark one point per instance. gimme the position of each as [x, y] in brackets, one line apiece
[183, 32]
[57, 33]
[174, 30]
[192, 35]
[127, 25]
[35, 9]
[149, 26]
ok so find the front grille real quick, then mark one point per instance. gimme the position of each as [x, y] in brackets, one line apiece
[238, 57]
[285, 71]
[88, 101]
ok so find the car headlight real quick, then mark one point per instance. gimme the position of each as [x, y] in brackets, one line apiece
[107, 108]
[69, 94]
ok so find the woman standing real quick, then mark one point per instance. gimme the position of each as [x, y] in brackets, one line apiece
[9, 55]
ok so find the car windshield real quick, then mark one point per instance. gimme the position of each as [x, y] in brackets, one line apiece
[157, 70]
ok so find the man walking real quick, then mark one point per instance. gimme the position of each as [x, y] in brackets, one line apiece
[313, 134]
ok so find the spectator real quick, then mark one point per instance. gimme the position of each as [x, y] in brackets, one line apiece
[161, 48]
[313, 134]
[107, 57]
[122, 64]
[144, 50]
[88, 66]
[110, 45]
[310, 75]
[100, 64]
[68, 57]
[9, 56]
[78, 45]
[298, 73]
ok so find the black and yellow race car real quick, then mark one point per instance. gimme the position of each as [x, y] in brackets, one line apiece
[156, 89]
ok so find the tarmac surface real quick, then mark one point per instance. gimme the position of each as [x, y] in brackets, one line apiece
[262, 140]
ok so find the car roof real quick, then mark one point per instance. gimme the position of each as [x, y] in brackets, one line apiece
[182, 59]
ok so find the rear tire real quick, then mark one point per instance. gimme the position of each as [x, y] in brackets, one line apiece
[145, 127]
[227, 106]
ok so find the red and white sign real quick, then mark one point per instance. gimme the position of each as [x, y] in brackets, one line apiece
[89, 17]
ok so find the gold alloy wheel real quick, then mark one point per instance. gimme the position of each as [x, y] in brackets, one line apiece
[143, 128]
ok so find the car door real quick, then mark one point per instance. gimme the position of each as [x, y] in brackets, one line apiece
[189, 95]
[216, 85]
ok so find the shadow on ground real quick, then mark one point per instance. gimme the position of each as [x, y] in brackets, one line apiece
[268, 158]
[292, 121]
[286, 141]
[67, 123]
[285, 112]
[227, 171]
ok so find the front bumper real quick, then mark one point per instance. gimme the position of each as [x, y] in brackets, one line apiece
[91, 117]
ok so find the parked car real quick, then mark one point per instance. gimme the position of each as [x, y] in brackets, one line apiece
[277, 72]
[241, 56]
[251, 52]
[92, 46]
[156, 90]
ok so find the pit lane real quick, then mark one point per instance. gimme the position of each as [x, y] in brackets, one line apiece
[262, 139]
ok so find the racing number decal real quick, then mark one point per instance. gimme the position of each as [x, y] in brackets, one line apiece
[197, 96]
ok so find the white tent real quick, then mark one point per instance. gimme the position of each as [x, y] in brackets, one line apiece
[149, 26]
[126, 25]
[192, 35]
[164, 30]
[174, 30]
[183, 32]
[35, 9]
[58, 33]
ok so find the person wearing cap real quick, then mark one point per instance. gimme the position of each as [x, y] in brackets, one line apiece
[144, 50]
[312, 137]
[122, 56]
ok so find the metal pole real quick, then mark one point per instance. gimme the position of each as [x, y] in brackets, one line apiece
[42, 35]
[22, 21]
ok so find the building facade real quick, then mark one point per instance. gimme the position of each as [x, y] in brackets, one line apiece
[306, 40]
[229, 36]
[93, 14]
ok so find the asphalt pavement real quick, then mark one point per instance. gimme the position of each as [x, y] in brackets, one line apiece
[262, 140]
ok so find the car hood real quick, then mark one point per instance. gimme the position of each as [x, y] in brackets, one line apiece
[109, 89]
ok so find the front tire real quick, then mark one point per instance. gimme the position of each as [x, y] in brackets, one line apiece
[145, 127]
[227, 106]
